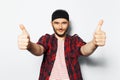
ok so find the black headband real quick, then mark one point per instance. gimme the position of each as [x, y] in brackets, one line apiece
[60, 14]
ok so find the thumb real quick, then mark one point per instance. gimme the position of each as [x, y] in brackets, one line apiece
[99, 25]
[23, 29]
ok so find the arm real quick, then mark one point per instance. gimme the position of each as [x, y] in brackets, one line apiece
[88, 48]
[35, 49]
[24, 43]
[98, 40]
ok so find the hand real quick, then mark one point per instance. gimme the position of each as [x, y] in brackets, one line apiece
[99, 36]
[23, 39]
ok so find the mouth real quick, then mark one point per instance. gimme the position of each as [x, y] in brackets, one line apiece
[60, 30]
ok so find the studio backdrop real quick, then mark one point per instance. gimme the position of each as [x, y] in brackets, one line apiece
[35, 15]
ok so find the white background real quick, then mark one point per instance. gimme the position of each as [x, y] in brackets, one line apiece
[15, 64]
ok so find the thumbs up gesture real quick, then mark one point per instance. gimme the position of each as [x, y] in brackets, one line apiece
[99, 36]
[23, 39]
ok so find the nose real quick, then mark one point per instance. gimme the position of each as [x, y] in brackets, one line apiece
[60, 25]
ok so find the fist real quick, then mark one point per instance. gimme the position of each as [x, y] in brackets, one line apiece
[99, 36]
[23, 39]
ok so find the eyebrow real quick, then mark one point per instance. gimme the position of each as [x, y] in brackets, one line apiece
[56, 22]
[64, 22]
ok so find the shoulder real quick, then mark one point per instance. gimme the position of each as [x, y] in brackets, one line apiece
[75, 36]
[46, 36]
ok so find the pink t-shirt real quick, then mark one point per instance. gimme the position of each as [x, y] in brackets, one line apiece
[59, 71]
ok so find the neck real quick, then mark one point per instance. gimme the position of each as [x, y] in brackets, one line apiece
[60, 38]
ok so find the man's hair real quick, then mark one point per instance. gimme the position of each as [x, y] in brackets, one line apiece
[59, 13]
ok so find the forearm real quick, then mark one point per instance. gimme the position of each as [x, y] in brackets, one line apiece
[88, 48]
[99, 39]
[35, 49]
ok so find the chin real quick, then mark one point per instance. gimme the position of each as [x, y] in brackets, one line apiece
[60, 35]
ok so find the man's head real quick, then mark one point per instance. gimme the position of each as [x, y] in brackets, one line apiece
[60, 22]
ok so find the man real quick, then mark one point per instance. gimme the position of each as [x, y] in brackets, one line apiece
[61, 51]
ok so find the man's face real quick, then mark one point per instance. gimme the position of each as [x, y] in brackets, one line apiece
[60, 26]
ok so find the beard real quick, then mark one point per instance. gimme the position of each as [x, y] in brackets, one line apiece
[60, 35]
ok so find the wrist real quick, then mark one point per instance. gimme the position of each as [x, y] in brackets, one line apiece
[94, 43]
[29, 45]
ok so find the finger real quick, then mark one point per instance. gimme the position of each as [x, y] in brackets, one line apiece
[23, 44]
[100, 40]
[23, 40]
[23, 28]
[23, 48]
[24, 37]
[100, 43]
[99, 25]
[99, 37]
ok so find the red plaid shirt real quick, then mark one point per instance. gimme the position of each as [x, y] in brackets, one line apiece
[72, 52]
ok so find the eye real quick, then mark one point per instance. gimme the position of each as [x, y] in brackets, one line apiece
[64, 22]
[56, 22]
